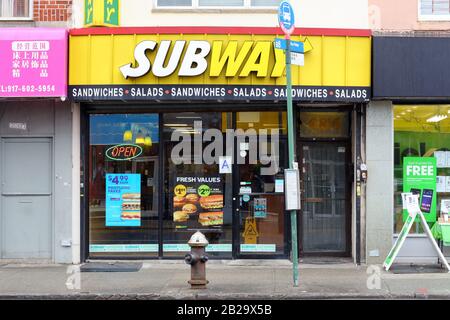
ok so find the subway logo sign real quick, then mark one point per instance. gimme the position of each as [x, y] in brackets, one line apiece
[252, 57]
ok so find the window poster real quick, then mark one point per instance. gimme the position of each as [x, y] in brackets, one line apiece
[123, 200]
[198, 202]
[440, 183]
[441, 159]
[419, 177]
[447, 156]
[260, 206]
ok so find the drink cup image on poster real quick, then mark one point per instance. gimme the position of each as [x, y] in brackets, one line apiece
[419, 178]
[198, 202]
[123, 200]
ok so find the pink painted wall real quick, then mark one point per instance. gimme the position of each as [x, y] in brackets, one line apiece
[400, 15]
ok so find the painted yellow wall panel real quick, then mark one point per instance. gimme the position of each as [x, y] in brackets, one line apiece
[358, 58]
[334, 61]
[123, 48]
[79, 61]
[311, 73]
[101, 60]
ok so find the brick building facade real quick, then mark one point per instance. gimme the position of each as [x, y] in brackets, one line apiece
[52, 10]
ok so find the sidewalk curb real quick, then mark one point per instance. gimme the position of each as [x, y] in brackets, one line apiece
[230, 297]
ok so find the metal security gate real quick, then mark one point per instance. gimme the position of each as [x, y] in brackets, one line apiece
[26, 198]
[325, 199]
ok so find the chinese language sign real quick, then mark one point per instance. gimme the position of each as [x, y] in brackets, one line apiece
[33, 62]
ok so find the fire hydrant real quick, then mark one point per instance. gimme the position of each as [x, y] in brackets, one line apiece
[197, 259]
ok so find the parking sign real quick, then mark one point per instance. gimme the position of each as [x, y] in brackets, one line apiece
[286, 17]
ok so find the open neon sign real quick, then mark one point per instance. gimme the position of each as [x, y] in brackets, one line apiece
[123, 152]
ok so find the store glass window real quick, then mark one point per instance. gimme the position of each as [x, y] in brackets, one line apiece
[262, 158]
[434, 9]
[123, 184]
[324, 125]
[197, 195]
[14, 8]
[174, 3]
[218, 3]
[265, 3]
[221, 3]
[421, 132]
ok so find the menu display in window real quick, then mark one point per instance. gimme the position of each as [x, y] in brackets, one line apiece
[198, 202]
[123, 200]
[442, 159]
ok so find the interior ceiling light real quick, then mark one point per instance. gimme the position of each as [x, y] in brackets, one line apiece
[175, 125]
[437, 118]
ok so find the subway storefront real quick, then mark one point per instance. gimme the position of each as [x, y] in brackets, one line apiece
[185, 129]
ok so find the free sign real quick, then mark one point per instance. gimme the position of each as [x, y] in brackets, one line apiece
[419, 170]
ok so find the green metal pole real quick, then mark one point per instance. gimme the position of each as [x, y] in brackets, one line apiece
[291, 139]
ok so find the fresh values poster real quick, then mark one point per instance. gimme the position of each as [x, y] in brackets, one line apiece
[198, 202]
[419, 178]
[123, 200]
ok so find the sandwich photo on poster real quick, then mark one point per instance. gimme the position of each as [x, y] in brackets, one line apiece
[123, 200]
[198, 202]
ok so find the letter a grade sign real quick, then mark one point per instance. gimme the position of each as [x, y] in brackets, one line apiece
[286, 17]
[225, 164]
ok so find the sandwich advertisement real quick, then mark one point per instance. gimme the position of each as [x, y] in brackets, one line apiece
[198, 202]
[419, 178]
[123, 200]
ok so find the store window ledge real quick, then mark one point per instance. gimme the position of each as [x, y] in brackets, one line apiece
[434, 17]
[214, 10]
[7, 23]
[413, 235]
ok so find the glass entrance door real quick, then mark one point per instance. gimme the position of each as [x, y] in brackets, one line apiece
[123, 199]
[325, 197]
[259, 184]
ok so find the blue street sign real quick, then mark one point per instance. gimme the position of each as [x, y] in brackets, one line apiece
[286, 17]
[296, 46]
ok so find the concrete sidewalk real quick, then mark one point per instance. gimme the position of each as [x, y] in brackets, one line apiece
[228, 280]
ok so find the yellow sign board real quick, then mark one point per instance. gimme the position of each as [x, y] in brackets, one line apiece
[250, 232]
[228, 59]
[101, 13]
